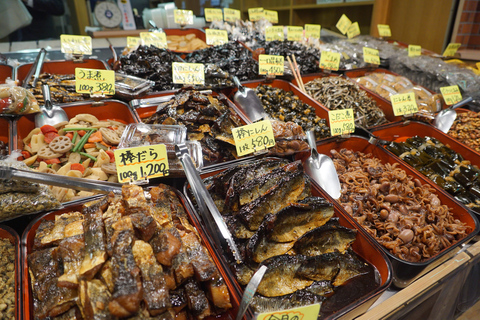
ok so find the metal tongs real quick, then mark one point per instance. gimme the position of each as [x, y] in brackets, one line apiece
[35, 69]
[205, 201]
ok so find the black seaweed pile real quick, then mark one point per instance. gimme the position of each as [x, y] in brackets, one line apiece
[307, 58]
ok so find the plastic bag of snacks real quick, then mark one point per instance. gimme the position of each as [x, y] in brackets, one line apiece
[17, 100]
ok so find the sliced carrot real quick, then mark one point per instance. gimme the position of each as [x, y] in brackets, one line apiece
[81, 133]
[77, 166]
[111, 155]
[51, 161]
[20, 158]
[26, 154]
[106, 144]
[95, 137]
[89, 145]
[49, 136]
[69, 135]
[46, 128]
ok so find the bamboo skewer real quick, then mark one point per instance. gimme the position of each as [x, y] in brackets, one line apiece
[301, 85]
[294, 72]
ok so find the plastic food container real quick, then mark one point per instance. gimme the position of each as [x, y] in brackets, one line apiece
[6, 71]
[364, 246]
[130, 87]
[29, 235]
[404, 272]
[7, 233]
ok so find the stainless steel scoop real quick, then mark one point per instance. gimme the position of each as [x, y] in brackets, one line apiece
[445, 118]
[249, 102]
[49, 114]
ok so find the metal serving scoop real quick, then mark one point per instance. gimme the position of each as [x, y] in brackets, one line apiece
[445, 118]
[249, 102]
[50, 114]
[321, 169]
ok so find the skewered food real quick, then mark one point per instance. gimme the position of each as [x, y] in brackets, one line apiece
[62, 88]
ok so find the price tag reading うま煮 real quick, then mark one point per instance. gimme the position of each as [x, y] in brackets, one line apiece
[404, 103]
[253, 137]
[341, 121]
[451, 94]
[141, 163]
[95, 82]
[270, 65]
[75, 44]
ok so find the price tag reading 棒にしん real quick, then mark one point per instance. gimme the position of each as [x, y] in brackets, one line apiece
[274, 33]
[188, 73]
[213, 14]
[301, 313]
[253, 137]
[156, 39]
[270, 65]
[404, 103]
[94, 81]
[312, 31]
[141, 162]
[231, 15]
[330, 60]
[255, 14]
[216, 37]
[451, 94]
[183, 17]
[294, 33]
[414, 50]
[384, 30]
[343, 24]
[371, 56]
[75, 44]
[341, 121]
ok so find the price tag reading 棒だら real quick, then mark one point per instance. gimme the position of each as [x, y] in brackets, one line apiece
[301, 313]
[343, 24]
[294, 33]
[133, 42]
[270, 65]
[216, 37]
[141, 162]
[330, 60]
[213, 14]
[156, 39]
[341, 121]
[404, 103]
[384, 30]
[371, 56]
[274, 33]
[183, 17]
[253, 137]
[312, 31]
[451, 49]
[451, 94]
[76, 44]
[231, 15]
[255, 14]
[188, 73]
[353, 30]
[414, 50]
[271, 15]
[94, 81]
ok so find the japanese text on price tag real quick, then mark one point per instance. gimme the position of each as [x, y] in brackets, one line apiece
[384, 30]
[341, 121]
[312, 31]
[451, 94]
[93, 81]
[353, 30]
[274, 33]
[231, 15]
[404, 103]
[253, 137]
[183, 17]
[414, 50]
[330, 60]
[271, 15]
[213, 14]
[270, 65]
[216, 37]
[188, 73]
[156, 39]
[141, 162]
[343, 24]
[302, 313]
[451, 49]
[294, 33]
[255, 14]
[133, 42]
[76, 44]
[371, 56]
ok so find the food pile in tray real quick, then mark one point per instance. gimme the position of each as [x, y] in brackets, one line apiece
[62, 88]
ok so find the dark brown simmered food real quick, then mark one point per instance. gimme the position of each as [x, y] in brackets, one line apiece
[307, 58]
[125, 257]
[403, 215]
[466, 129]
[62, 88]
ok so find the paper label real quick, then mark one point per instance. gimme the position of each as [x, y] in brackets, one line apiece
[188, 73]
[478, 65]
[404, 103]
[353, 30]
[414, 50]
[94, 81]
[183, 17]
[384, 30]
[294, 33]
[271, 15]
[274, 33]
[253, 137]
[141, 162]
[133, 42]
[451, 94]
[270, 65]
[451, 49]
[156, 39]
[76, 44]
[302, 313]
[343, 24]
[312, 31]
[341, 121]
[231, 15]
[330, 60]
[213, 14]
[255, 14]
[216, 37]
[371, 56]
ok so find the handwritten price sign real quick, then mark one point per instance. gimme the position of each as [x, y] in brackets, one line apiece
[231, 15]
[451, 49]
[271, 15]
[253, 137]
[312, 31]
[216, 37]
[133, 42]
[353, 30]
[341, 122]
[371, 56]
[274, 33]
[330, 60]
[141, 162]
[451, 94]
[212, 14]
[404, 103]
[343, 24]
[76, 44]
[384, 30]
[302, 313]
[93, 81]
[255, 14]
[188, 73]
[183, 17]
[156, 39]
[270, 65]
[294, 33]
[414, 51]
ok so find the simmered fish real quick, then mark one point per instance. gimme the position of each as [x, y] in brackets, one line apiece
[325, 239]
